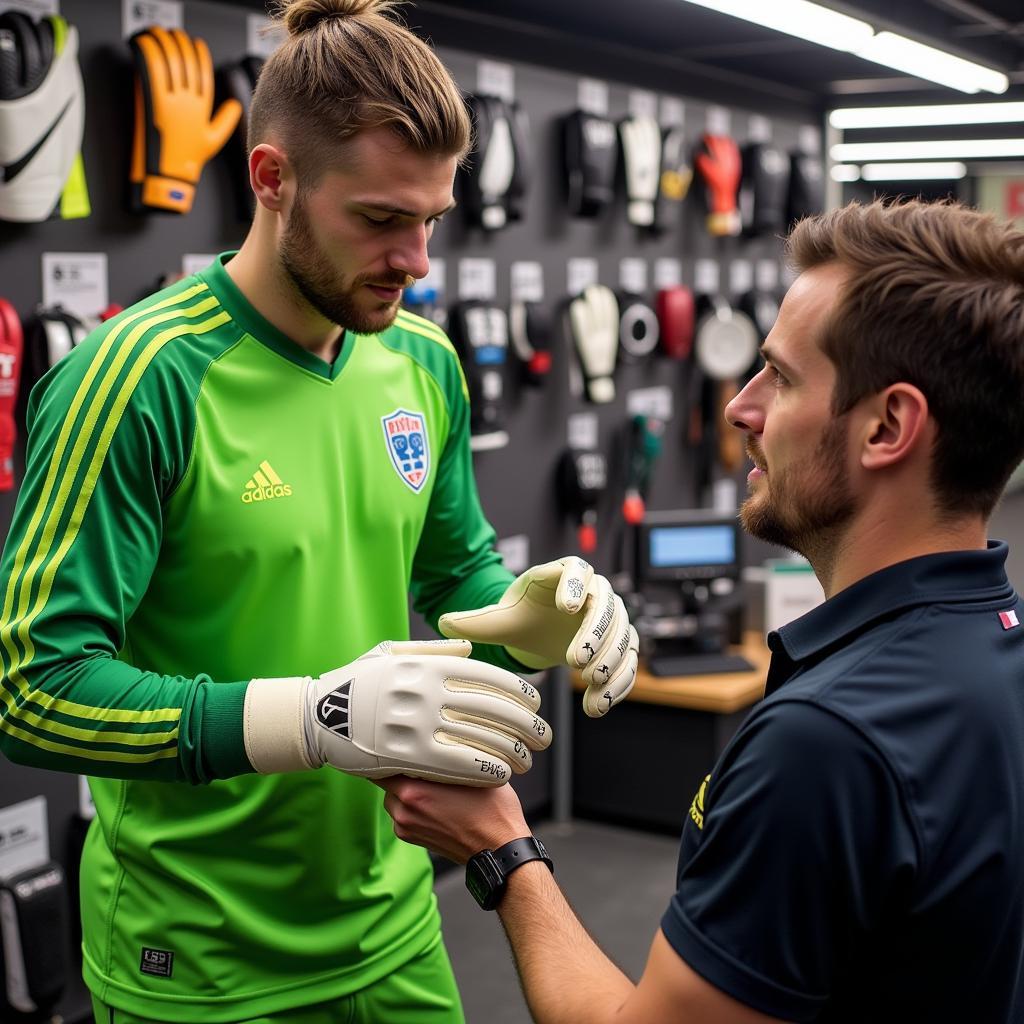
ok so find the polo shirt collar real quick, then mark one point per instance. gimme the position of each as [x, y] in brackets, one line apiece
[949, 576]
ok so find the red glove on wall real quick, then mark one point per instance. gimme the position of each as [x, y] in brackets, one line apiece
[720, 166]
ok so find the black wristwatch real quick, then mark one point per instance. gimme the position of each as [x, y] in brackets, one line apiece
[487, 871]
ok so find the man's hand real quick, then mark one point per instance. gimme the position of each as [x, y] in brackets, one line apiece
[418, 708]
[454, 821]
[560, 611]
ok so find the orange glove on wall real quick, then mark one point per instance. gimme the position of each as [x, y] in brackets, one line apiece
[720, 166]
[176, 131]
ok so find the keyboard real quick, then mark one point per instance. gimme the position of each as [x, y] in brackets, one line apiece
[698, 664]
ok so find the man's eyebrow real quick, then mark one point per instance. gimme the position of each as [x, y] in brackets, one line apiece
[770, 356]
[400, 211]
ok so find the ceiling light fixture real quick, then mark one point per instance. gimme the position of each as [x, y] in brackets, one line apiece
[845, 172]
[939, 113]
[826, 27]
[946, 149]
[952, 170]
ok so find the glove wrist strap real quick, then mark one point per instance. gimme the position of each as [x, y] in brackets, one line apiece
[274, 725]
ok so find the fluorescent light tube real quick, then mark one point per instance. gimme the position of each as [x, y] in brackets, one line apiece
[947, 149]
[826, 27]
[896, 51]
[845, 172]
[939, 113]
[948, 171]
[799, 18]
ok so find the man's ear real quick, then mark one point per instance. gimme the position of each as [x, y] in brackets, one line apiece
[269, 175]
[897, 426]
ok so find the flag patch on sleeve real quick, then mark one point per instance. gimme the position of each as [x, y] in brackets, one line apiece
[1009, 619]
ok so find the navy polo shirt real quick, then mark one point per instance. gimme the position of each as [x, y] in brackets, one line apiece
[857, 854]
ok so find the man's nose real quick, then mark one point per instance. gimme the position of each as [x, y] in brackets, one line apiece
[745, 411]
[410, 254]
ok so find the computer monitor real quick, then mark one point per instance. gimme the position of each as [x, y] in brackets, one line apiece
[685, 545]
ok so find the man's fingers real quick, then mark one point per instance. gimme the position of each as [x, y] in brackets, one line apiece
[573, 584]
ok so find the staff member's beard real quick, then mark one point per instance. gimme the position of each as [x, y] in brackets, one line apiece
[309, 270]
[806, 507]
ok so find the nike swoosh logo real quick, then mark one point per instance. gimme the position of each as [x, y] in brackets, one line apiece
[8, 172]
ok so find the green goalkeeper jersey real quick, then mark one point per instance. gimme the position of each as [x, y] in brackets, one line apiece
[206, 502]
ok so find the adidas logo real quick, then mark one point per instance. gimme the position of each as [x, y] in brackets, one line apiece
[265, 485]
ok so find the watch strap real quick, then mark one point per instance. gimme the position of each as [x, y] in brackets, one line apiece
[519, 852]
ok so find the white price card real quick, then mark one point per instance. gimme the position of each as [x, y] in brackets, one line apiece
[633, 275]
[24, 836]
[35, 8]
[717, 121]
[673, 112]
[767, 275]
[580, 273]
[592, 96]
[476, 279]
[643, 103]
[77, 281]
[436, 277]
[668, 272]
[495, 78]
[759, 129]
[193, 262]
[741, 277]
[656, 402]
[527, 281]
[263, 35]
[515, 552]
[706, 277]
[139, 14]
[582, 427]
[810, 139]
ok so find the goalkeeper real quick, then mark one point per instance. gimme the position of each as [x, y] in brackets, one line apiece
[231, 490]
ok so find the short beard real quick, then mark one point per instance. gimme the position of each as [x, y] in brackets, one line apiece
[310, 273]
[806, 515]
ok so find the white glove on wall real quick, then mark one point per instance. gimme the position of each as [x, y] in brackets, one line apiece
[560, 612]
[419, 708]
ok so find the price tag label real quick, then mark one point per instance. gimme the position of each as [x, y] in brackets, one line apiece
[759, 129]
[476, 279]
[592, 96]
[643, 103]
[494, 78]
[436, 277]
[24, 836]
[717, 121]
[193, 262]
[35, 8]
[581, 273]
[527, 281]
[673, 112]
[656, 402]
[582, 428]
[741, 277]
[77, 281]
[515, 552]
[767, 275]
[263, 35]
[633, 275]
[668, 272]
[138, 14]
[706, 277]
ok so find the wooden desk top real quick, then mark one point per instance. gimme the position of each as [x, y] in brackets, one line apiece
[722, 692]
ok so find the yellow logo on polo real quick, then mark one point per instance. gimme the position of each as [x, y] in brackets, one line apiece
[265, 485]
[697, 807]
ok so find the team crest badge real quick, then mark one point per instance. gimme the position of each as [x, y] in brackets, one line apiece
[406, 436]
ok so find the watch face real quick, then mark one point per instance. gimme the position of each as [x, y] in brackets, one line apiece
[485, 880]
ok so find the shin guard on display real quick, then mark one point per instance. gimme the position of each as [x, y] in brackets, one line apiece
[676, 176]
[764, 189]
[490, 169]
[806, 187]
[594, 325]
[591, 152]
[641, 157]
[11, 352]
[529, 341]
[676, 319]
[582, 480]
[480, 333]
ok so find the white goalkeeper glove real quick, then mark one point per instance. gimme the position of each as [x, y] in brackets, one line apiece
[410, 708]
[560, 611]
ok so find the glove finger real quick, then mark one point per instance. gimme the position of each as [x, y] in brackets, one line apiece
[612, 649]
[499, 714]
[574, 579]
[388, 648]
[189, 63]
[170, 55]
[481, 625]
[598, 700]
[155, 64]
[202, 84]
[451, 761]
[468, 676]
[600, 610]
[224, 122]
[490, 744]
